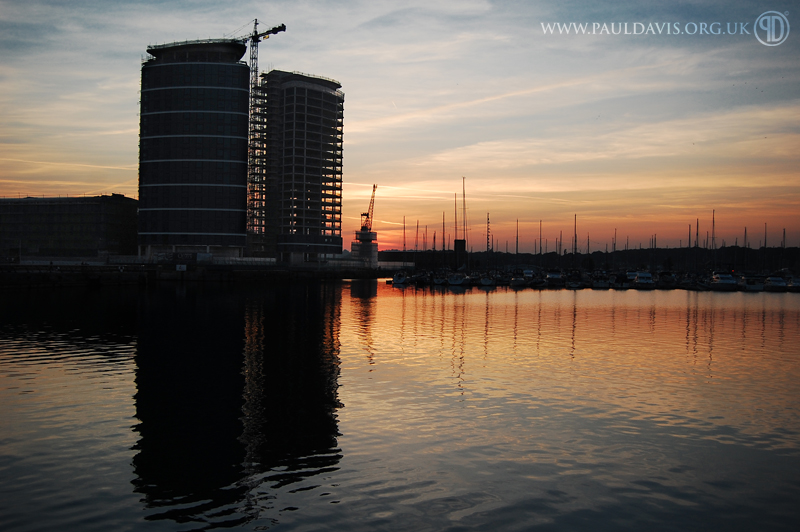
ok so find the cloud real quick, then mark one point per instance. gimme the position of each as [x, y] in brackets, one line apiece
[435, 90]
[711, 136]
[61, 163]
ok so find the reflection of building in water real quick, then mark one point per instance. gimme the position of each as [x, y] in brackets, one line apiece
[188, 402]
[75, 313]
[291, 374]
[197, 374]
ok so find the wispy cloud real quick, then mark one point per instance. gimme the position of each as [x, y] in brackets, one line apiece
[127, 168]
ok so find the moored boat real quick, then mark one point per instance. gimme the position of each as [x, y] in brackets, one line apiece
[518, 282]
[644, 281]
[666, 281]
[722, 282]
[488, 280]
[420, 278]
[457, 279]
[554, 279]
[400, 278]
[793, 284]
[773, 283]
[600, 281]
[440, 278]
[751, 283]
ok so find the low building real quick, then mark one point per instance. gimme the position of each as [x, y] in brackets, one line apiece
[85, 226]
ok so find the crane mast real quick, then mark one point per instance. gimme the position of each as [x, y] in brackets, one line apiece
[256, 184]
[254, 38]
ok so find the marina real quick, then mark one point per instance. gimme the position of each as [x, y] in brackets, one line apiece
[602, 280]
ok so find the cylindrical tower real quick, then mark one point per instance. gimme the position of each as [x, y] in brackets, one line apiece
[193, 148]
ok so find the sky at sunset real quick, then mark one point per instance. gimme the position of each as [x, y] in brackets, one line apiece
[644, 132]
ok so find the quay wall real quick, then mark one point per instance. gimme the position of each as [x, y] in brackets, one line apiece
[113, 275]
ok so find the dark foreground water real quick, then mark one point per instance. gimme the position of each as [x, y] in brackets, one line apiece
[358, 406]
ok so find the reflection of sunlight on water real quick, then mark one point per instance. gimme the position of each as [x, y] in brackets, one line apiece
[680, 357]
[540, 405]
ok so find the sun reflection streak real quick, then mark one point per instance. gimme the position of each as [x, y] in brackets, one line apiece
[638, 349]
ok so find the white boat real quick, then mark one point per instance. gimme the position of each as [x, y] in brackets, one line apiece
[644, 281]
[723, 282]
[774, 283]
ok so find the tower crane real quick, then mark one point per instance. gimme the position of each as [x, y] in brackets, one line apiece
[366, 217]
[255, 182]
[254, 38]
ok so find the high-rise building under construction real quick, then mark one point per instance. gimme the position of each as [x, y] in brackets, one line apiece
[193, 150]
[295, 181]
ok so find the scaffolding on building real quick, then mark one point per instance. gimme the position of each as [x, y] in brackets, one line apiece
[295, 170]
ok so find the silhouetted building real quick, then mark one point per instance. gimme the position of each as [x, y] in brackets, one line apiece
[193, 148]
[68, 227]
[295, 209]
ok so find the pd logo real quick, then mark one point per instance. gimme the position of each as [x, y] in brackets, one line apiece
[771, 28]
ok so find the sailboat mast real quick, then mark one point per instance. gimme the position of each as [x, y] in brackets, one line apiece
[455, 201]
[713, 230]
[464, 205]
[696, 232]
[540, 237]
[487, 232]
[575, 242]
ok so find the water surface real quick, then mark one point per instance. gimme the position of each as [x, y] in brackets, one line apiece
[361, 406]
